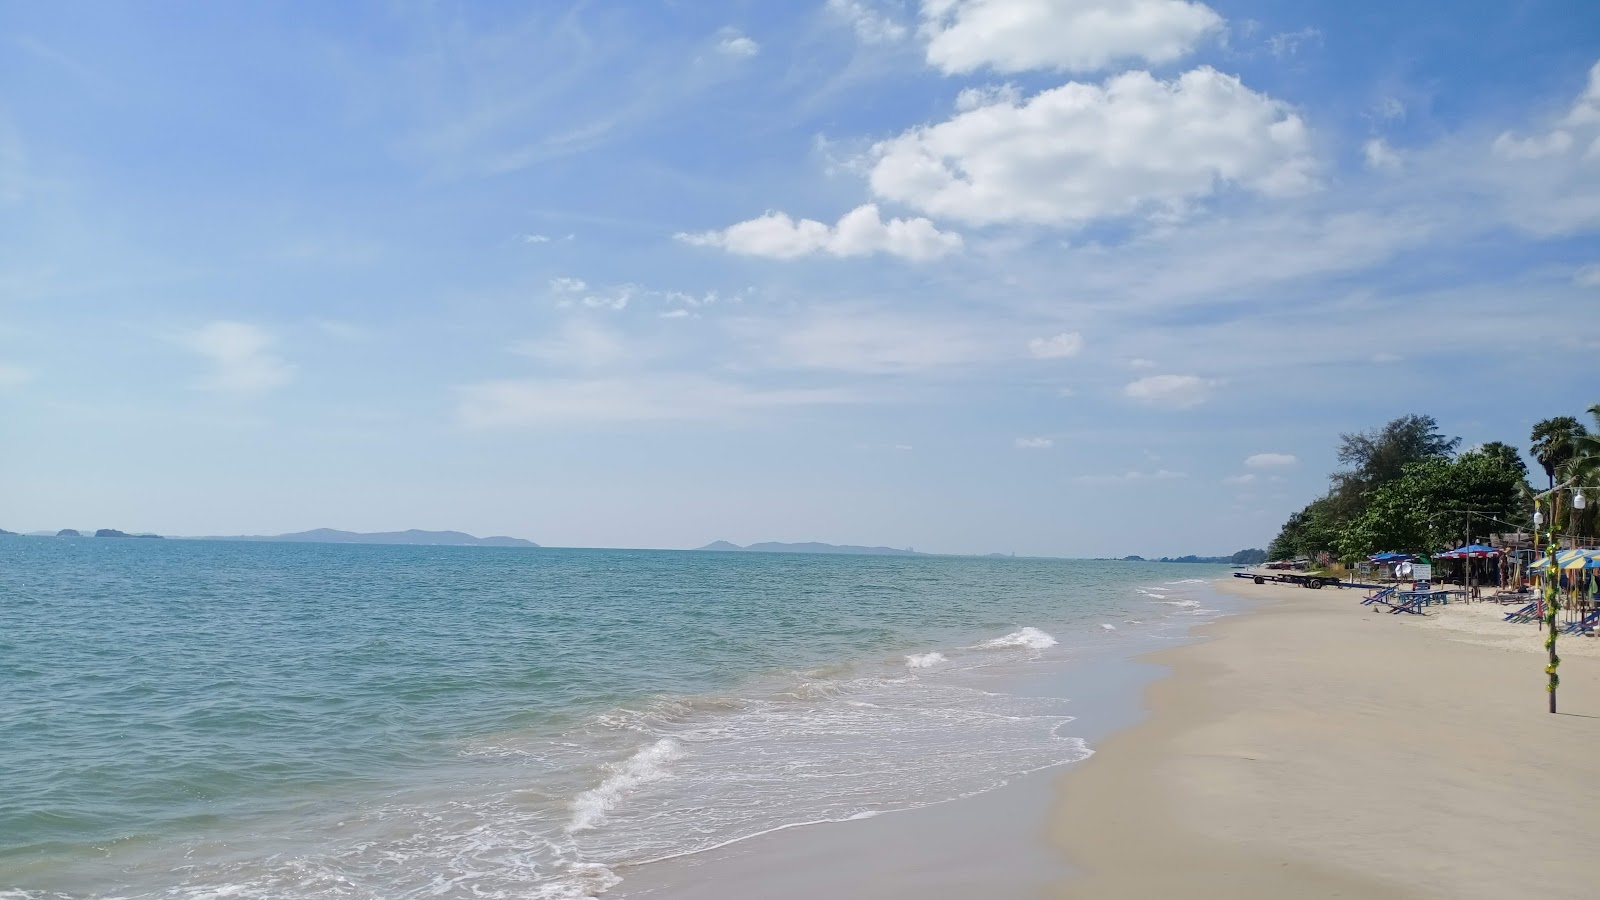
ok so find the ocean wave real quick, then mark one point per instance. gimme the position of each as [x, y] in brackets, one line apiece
[1108, 626]
[924, 660]
[1189, 581]
[1026, 637]
[589, 809]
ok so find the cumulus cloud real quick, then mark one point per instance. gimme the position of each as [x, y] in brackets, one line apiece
[1555, 143]
[1270, 460]
[1125, 477]
[1082, 152]
[1380, 156]
[860, 232]
[1170, 391]
[871, 24]
[1034, 443]
[549, 402]
[241, 356]
[1077, 36]
[1057, 346]
[733, 43]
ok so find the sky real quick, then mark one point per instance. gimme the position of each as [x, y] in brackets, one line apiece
[1055, 277]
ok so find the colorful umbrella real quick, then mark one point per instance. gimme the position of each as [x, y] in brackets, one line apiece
[1471, 551]
[1569, 559]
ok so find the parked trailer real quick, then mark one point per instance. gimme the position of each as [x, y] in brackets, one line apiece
[1314, 582]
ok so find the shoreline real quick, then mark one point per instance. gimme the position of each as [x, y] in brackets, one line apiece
[1312, 748]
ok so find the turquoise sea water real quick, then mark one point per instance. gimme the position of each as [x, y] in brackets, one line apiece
[212, 719]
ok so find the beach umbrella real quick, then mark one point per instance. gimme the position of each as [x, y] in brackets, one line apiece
[1471, 551]
[1570, 559]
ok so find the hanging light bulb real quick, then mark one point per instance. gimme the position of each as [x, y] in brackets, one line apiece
[1538, 518]
[1579, 501]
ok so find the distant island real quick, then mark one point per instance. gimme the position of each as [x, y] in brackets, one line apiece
[113, 533]
[68, 532]
[1242, 558]
[809, 547]
[412, 536]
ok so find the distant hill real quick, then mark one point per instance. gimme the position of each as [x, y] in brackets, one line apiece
[113, 533]
[413, 536]
[1243, 557]
[810, 547]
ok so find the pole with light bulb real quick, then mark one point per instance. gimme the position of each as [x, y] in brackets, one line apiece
[1552, 576]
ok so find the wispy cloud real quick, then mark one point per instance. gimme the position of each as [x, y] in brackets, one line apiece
[1057, 346]
[241, 355]
[14, 376]
[1034, 443]
[654, 398]
[733, 43]
[1270, 460]
[1131, 476]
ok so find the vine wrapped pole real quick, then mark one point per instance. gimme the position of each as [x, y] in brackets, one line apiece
[1551, 602]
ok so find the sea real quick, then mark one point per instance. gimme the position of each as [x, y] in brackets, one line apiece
[208, 719]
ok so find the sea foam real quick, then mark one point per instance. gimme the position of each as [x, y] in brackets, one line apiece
[649, 764]
[1027, 637]
[924, 660]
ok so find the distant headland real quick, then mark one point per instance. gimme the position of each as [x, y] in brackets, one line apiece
[412, 536]
[809, 547]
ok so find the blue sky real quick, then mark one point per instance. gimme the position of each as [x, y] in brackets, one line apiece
[1082, 277]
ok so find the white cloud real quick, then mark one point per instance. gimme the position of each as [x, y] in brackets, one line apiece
[1270, 460]
[568, 285]
[736, 44]
[1554, 143]
[13, 376]
[241, 357]
[1125, 477]
[1138, 363]
[871, 24]
[1246, 478]
[575, 292]
[580, 345]
[860, 232]
[535, 239]
[1080, 36]
[1588, 276]
[1058, 346]
[1288, 43]
[1584, 116]
[1081, 152]
[1380, 156]
[974, 97]
[1170, 391]
[548, 402]
[676, 314]
[1034, 443]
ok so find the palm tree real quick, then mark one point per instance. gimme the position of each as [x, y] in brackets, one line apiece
[1553, 443]
[1584, 470]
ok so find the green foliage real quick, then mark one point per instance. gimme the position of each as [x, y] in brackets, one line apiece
[1419, 510]
[1554, 443]
[1249, 557]
[1505, 453]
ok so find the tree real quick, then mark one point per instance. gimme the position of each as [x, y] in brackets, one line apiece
[1505, 453]
[1554, 443]
[1379, 456]
[1417, 511]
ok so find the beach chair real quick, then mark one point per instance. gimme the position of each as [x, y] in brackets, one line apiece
[1411, 605]
[1526, 614]
[1380, 597]
[1585, 624]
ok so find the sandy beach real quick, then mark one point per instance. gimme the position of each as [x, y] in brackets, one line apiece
[1314, 748]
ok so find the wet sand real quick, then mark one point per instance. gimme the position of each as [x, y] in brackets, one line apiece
[1314, 748]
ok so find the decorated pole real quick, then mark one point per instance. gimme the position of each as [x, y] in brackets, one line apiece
[1552, 600]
